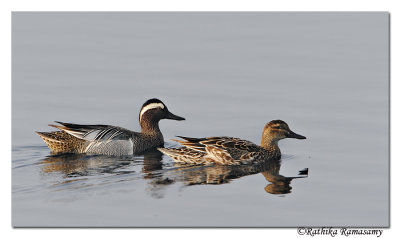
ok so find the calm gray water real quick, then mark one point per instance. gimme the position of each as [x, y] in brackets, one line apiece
[325, 74]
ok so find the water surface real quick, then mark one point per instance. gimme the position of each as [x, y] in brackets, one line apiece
[325, 74]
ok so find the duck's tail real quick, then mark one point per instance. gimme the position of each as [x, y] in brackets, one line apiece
[62, 142]
[184, 155]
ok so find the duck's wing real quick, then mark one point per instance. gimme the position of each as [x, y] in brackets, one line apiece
[192, 143]
[211, 154]
[94, 133]
[220, 156]
[229, 144]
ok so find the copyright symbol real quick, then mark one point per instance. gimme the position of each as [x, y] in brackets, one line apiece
[301, 230]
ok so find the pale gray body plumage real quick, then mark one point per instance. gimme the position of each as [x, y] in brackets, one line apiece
[120, 141]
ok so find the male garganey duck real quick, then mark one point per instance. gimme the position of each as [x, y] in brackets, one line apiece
[111, 140]
[232, 151]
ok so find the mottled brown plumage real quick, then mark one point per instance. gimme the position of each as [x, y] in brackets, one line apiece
[230, 150]
[60, 141]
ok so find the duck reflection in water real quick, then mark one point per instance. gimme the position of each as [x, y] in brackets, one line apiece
[75, 165]
[81, 164]
[160, 175]
[152, 161]
[220, 174]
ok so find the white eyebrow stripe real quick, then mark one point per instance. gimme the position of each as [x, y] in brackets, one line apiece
[150, 106]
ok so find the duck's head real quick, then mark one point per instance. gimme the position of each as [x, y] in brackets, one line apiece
[153, 110]
[277, 130]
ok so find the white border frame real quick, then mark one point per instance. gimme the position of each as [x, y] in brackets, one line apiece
[7, 6]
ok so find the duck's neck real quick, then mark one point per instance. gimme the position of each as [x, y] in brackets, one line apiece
[150, 127]
[270, 145]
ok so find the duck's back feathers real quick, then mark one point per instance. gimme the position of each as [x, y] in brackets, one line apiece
[234, 146]
[94, 132]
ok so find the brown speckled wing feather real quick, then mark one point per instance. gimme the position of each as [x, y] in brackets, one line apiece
[184, 155]
[222, 142]
[220, 156]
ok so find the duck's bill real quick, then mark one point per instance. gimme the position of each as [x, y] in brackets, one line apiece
[174, 117]
[296, 136]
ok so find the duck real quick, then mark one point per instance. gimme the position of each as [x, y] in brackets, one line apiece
[111, 140]
[230, 150]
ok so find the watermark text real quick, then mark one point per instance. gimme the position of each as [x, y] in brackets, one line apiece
[332, 232]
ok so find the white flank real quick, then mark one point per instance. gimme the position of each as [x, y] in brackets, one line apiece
[149, 107]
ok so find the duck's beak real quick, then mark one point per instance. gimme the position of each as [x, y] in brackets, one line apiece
[296, 136]
[173, 117]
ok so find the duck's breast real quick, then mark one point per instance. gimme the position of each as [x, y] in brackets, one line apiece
[143, 142]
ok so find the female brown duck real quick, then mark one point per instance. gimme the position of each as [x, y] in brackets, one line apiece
[232, 151]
